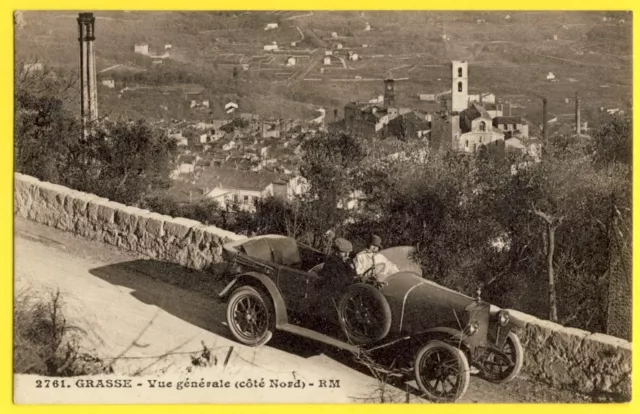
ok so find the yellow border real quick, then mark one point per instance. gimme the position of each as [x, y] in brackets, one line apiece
[6, 186]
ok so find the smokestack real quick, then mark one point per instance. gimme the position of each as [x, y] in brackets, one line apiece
[509, 102]
[335, 114]
[544, 120]
[88, 87]
[577, 114]
[389, 93]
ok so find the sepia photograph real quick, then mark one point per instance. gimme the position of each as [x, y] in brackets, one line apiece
[354, 207]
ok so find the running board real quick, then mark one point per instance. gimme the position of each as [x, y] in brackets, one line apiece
[316, 336]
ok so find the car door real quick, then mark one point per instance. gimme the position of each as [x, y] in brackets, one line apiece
[320, 300]
[292, 283]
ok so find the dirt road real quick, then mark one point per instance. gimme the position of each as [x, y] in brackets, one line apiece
[152, 317]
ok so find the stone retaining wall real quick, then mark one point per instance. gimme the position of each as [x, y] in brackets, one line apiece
[177, 240]
[590, 363]
[578, 360]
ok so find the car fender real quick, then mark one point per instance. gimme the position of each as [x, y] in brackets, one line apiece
[515, 324]
[451, 336]
[261, 281]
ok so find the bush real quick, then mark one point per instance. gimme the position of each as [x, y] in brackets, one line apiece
[45, 343]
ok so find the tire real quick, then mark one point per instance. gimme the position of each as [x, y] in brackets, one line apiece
[364, 314]
[499, 373]
[439, 362]
[250, 316]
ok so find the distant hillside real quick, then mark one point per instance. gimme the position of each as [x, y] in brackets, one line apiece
[510, 53]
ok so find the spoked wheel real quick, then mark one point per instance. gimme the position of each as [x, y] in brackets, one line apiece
[365, 315]
[442, 371]
[249, 316]
[505, 366]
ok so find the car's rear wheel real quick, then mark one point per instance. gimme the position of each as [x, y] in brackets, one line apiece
[442, 371]
[250, 317]
[505, 366]
[365, 316]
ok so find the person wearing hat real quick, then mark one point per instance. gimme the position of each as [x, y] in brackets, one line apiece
[369, 263]
[338, 269]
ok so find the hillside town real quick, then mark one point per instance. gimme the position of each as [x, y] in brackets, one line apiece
[221, 138]
[267, 152]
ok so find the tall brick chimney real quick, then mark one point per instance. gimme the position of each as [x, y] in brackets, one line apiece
[88, 79]
[577, 114]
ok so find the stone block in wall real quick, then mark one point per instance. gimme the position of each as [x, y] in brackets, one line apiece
[153, 224]
[204, 248]
[150, 233]
[79, 203]
[93, 228]
[540, 362]
[178, 228]
[48, 206]
[106, 211]
[566, 342]
[126, 222]
[224, 235]
[609, 365]
[67, 219]
[83, 225]
[126, 218]
[25, 193]
[93, 207]
[522, 317]
[111, 232]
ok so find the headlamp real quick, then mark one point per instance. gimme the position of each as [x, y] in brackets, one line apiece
[503, 317]
[473, 327]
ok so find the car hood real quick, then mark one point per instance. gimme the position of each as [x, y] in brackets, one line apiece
[408, 284]
[417, 303]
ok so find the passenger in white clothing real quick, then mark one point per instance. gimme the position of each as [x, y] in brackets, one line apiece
[368, 263]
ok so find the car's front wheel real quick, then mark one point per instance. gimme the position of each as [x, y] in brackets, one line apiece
[504, 366]
[250, 317]
[442, 371]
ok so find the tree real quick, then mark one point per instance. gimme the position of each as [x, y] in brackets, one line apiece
[551, 224]
[44, 135]
[36, 80]
[44, 127]
[128, 161]
[612, 140]
[569, 197]
[331, 164]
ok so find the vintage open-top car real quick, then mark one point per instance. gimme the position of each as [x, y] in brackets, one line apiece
[433, 332]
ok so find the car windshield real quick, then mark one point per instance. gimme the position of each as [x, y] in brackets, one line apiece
[402, 258]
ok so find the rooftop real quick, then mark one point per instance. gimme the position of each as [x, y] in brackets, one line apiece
[237, 179]
[508, 120]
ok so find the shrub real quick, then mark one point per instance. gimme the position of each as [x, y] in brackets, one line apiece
[45, 343]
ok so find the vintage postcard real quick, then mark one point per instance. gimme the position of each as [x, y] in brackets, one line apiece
[322, 207]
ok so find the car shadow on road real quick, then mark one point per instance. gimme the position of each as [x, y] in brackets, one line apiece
[190, 295]
[187, 294]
